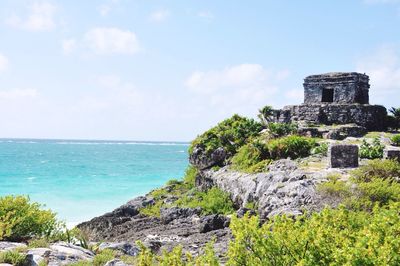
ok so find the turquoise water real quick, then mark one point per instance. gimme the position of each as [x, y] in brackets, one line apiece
[83, 179]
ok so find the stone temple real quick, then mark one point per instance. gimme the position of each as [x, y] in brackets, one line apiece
[335, 99]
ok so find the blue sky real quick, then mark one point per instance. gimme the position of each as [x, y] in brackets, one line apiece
[168, 70]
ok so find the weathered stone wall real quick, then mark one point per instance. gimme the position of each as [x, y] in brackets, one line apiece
[372, 117]
[348, 87]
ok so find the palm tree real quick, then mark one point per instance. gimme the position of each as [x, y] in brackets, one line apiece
[266, 114]
[396, 117]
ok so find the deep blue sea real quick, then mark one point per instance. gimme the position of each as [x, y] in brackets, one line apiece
[83, 179]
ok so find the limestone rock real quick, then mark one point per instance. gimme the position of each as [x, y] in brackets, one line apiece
[6, 246]
[392, 153]
[125, 247]
[116, 262]
[203, 160]
[213, 222]
[170, 214]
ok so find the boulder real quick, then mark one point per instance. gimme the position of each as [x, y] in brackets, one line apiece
[6, 246]
[131, 208]
[213, 222]
[170, 214]
[392, 153]
[343, 156]
[243, 211]
[116, 262]
[125, 247]
[36, 255]
[202, 159]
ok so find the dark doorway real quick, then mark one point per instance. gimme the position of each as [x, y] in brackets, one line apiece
[327, 95]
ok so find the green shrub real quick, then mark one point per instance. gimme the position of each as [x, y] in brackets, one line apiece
[39, 243]
[230, 134]
[335, 187]
[266, 114]
[190, 176]
[213, 200]
[175, 257]
[12, 257]
[385, 169]
[251, 158]
[282, 129]
[290, 146]
[371, 151]
[394, 119]
[320, 148]
[331, 237]
[396, 140]
[22, 220]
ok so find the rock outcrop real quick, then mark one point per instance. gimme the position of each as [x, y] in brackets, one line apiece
[283, 189]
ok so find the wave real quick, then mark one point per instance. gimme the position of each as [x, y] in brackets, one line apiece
[122, 143]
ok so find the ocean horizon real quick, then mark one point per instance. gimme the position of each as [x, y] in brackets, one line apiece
[82, 179]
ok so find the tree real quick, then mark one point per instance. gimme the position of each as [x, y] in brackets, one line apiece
[266, 114]
[395, 124]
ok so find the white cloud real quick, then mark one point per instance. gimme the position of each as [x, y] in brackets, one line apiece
[40, 18]
[383, 68]
[111, 41]
[159, 15]
[205, 15]
[240, 88]
[104, 9]
[17, 94]
[3, 63]
[68, 46]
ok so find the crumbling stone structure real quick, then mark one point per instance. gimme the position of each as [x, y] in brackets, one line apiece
[343, 156]
[336, 98]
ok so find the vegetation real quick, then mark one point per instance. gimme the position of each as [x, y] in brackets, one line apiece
[394, 119]
[211, 201]
[21, 219]
[282, 129]
[266, 114]
[290, 146]
[332, 237]
[12, 257]
[251, 158]
[395, 140]
[230, 134]
[371, 150]
[320, 148]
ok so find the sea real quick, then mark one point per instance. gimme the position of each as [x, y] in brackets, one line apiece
[82, 179]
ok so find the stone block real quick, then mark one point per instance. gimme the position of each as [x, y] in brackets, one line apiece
[343, 156]
[392, 154]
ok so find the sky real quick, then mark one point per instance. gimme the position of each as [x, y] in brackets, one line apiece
[168, 70]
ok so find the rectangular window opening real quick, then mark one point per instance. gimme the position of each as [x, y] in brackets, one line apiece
[327, 95]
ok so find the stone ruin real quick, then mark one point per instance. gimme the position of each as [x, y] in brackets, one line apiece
[335, 99]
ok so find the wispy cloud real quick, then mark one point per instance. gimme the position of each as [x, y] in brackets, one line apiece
[69, 45]
[111, 41]
[17, 94]
[105, 8]
[3, 62]
[238, 88]
[39, 18]
[159, 15]
[205, 14]
[383, 67]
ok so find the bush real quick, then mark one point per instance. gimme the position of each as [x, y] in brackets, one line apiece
[384, 169]
[213, 201]
[22, 220]
[290, 146]
[12, 257]
[321, 148]
[251, 158]
[331, 237]
[395, 140]
[335, 187]
[282, 129]
[230, 134]
[371, 151]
